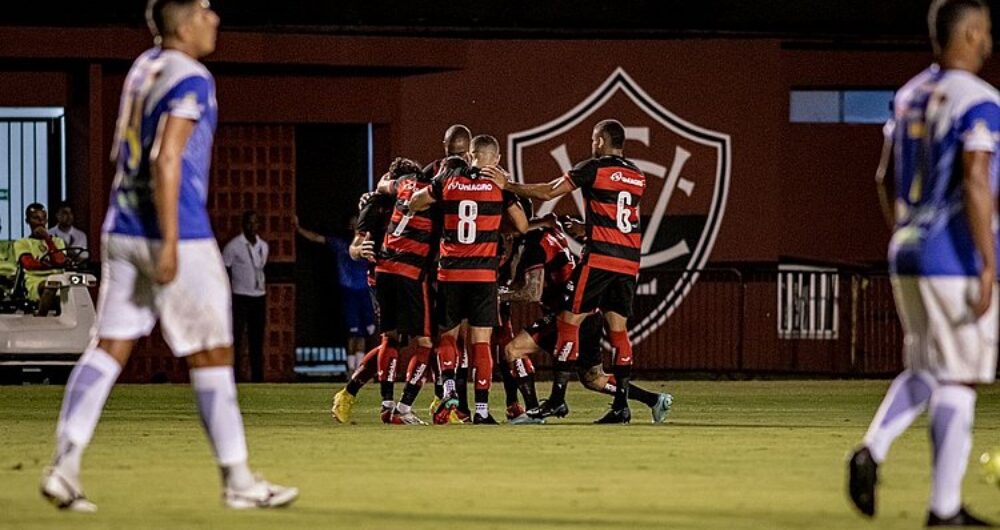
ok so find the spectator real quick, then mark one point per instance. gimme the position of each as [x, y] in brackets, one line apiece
[30, 252]
[64, 229]
[356, 298]
[245, 256]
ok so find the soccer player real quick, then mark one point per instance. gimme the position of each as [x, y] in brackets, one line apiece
[546, 266]
[473, 206]
[605, 279]
[161, 260]
[941, 145]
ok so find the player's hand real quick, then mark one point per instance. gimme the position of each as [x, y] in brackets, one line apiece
[39, 232]
[498, 175]
[367, 249]
[166, 264]
[365, 199]
[986, 280]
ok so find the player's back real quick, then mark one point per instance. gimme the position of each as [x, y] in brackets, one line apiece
[410, 235]
[938, 116]
[612, 187]
[162, 83]
[472, 207]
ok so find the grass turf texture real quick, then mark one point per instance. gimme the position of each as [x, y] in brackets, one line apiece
[733, 455]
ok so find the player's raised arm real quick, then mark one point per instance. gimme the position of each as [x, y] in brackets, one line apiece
[547, 191]
[165, 165]
[422, 200]
[885, 179]
[306, 233]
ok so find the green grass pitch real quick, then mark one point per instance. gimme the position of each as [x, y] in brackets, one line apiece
[733, 455]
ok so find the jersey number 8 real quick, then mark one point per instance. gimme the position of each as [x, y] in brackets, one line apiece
[467, 213]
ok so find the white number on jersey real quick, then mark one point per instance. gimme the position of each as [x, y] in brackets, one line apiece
[467, 213]
[624, 213]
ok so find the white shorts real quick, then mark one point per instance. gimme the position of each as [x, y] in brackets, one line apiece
[194, 310]
[942, 336]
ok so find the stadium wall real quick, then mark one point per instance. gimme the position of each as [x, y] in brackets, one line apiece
[795, 191]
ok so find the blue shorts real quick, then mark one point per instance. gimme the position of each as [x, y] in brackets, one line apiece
[359, 312]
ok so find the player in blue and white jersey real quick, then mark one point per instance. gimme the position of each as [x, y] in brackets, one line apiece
[941, 143]
[160, 259]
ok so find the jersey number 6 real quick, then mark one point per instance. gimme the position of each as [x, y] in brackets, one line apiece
[624, 214]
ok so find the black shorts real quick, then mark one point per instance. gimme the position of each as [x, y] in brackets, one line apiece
[472, 301]
[404, 305]
[544, 333]
[593, 289]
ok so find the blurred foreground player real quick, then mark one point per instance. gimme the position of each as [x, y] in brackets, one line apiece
[161, 260]
[606, 277]
[941, 144]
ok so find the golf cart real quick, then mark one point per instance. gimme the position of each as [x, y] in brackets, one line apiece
[31, 343]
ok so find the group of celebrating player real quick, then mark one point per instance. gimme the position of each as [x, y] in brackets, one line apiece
[454, 244]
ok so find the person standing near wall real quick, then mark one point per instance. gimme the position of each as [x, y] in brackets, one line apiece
[245, 256]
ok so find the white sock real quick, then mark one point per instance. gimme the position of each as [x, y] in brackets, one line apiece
[449, 387]
[388, 404]
[215, 390]
[906, 399]
[483, 409]
[83, 400]
[952, 411]
[352, 363]
[403, 408]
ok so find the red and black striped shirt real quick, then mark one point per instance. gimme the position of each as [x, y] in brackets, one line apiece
[612, 187]
[548, 249]
[410, 236]
[472, 208]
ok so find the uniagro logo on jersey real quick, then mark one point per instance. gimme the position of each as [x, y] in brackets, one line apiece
[687, 171]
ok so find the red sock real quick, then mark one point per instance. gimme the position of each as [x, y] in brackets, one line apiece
[622, 347]
[368, 367]
[388, 357]
[521, 367]
[447, 351]
[568, 341]
[528, 366]
[482, 363]
[418, 365]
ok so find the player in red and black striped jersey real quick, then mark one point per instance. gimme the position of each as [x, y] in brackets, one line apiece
[473, 207]
[612, 187]
[403, 290]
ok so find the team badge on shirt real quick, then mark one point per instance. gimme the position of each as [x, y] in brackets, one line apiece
[687, 171]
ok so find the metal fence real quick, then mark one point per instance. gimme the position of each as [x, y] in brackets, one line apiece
[778, 320]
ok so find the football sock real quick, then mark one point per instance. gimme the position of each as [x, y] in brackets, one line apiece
[622, 348]
[641, 395]
[449, 384]
[83, 400]
[215, 389]
[905, 400]
[364, 372]
[482, 364]
[525, 374]
[388, 357]
[354, 386]
[567, 341]
[622, 374]
[509, 385]
[415, 375]
[952, 411]
[560, 380]
[482, 402]
[462, 387]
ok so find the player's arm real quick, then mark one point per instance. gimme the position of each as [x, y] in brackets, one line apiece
[548, 191]
[306, 233]
[530, 290]
[886, 181]
[516, 215]
[362, 247]
[548, 220]
[422, 200]
[979, 207]
[165, 168]
[386, 185]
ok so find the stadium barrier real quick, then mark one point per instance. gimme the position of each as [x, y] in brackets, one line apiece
[795, 320]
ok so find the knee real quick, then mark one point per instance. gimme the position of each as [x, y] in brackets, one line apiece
[593, 378]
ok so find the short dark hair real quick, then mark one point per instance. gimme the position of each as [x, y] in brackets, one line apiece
[944, 16]
[456, 136]
[156, 16]
[614, 130]
[33, 207]
[485, 141]
[63, 204]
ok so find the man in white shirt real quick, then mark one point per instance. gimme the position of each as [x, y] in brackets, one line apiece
[245, 256]
[64, 229]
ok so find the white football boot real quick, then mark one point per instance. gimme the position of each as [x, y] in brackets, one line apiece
[262, 494]
[65, 492]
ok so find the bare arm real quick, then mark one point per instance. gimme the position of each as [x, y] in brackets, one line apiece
[306, 233]
[979, 207]
[384, 185]
[545, 221]
[421, 200]
[529, 291]
[545, 192]
[517, 217]
[165, 167]
[886, 184]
